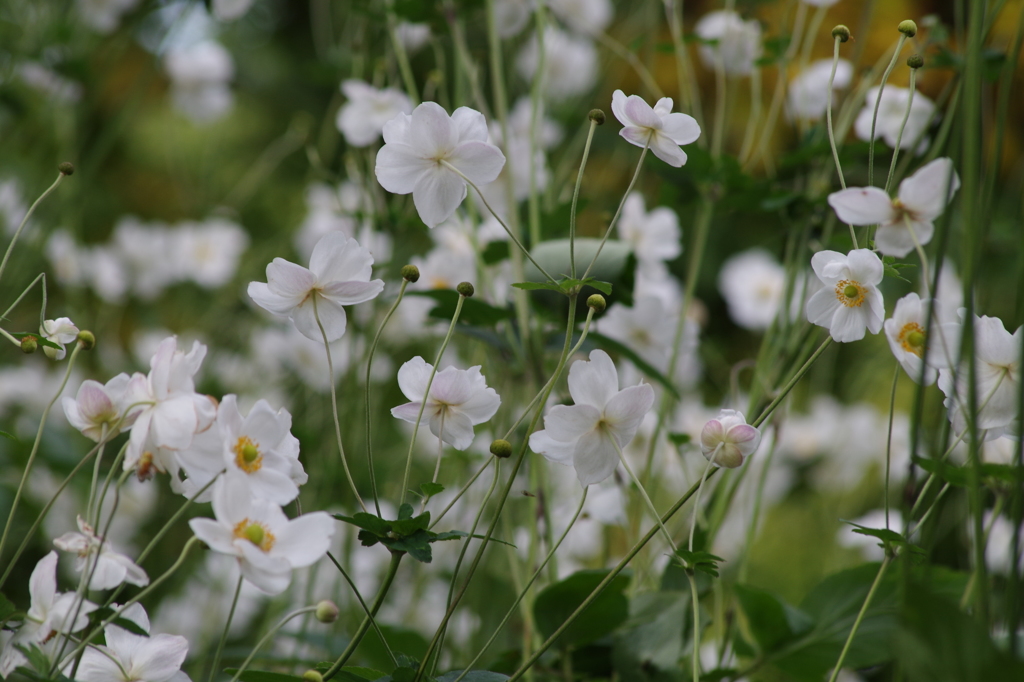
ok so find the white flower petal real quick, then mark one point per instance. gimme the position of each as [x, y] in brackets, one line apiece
[593, 382]
[595, 458]
[863, 206]
[437, 194]
[926, 192]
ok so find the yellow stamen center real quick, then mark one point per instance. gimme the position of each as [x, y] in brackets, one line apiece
[850, 293]
[247, 455]
[912, 337]
[256, 533]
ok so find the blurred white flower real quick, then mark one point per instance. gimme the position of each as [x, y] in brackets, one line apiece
[109, 568]
[753, 285]
[413, 36]
[144, 249]
[127, 657]
[658, 128]
[199, 75]
[908, 218]
[808, 91]
[97, 406]
[581, 434]
[208, 252]
[999, 546]
[584, 16]
[511, 16]
[737, 42]
[103, 16]
[361, 119]
[850, 301]
[458, 400]
[229, 10]
[520, 119]
[654, 235]
[61, 331]
[570, 64]
[728, 439]
[891, 111]
[338, 275]
[415, 146]
[905, 331]
[47, 81]
[12, 208]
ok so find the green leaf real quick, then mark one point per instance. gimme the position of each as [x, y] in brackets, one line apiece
[652, 636]
[537, 286]
[7, 608]
[366, 521]
[892, 269]
[105, 612]
[351, 673]
[556, 603]
[410, 526]
[405, 511]
[430, 489]
[606, 343]
[705, 562]
[417, 545]
[7, 435]
[495, 252]
[961, 475]
[262, 676]
[40, 340]
[474, 311]
[473, 676]
[772, 622]
[679, 439]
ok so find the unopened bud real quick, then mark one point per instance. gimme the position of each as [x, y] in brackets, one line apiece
[597, 116]
[29, 344]
[326, 611]
[841, 32]
[465, 289]
[915, 61]
[410, 273]
[66, 168]
[501, 448]
[597, 302]
[312, 676]
[87, 339]
[908, 28]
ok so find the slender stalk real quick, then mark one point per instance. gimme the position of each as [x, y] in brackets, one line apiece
[860, 617]
[828, 120]
[686, 79]
[694, 596]
[644, 495]
[227, 628]
[23, 294]
[878, 103]
[402, 58]
[575, 199]
[266, 637]
[903, 125]
[24, 221]
[750, 133]
[462, 491]
[721, 93]
[888, 441]
[792, 382]
[366, 609]
[611, 223]
[536, 98]
[334, 404]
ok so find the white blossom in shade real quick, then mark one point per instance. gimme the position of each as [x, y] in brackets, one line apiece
[12, 208]
[458, 400]
[199, 75]
[517, 153]
[109, 568]
[520, 121]
[208, 252]
[361, 119]
[869, 546]
[753, 285]
[168, 412]
[103, 16]
[128, 657]
[55, 87]
[417, 144]
[229, 10]
[737, 43]
[143, 250]
[728, 439]
[98, 407]
[49, 613]
[909, 217]
[997, 379]
[413, 35]
[658, 128]
[891, 111]
[61, 331]
[912, 346]
[850, 302]
[511, 16]
[808, 91]
[570, 64]
[581, 434]
[654, 235]
[583, 16]
[266, 543]
[999, 543]
[820, 3]
[338, 275]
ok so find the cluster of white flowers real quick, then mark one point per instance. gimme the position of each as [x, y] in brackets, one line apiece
[200, 74]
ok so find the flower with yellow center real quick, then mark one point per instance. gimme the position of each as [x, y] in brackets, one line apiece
[256, 533]
[913, 346]
[850, 301]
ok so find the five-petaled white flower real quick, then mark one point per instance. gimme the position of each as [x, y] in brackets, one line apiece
[61, 331]
[657, 128]
[127, 657]
[912, 345]
[581, 434]
[458, 399]
[368, 109]
[850, 301]
[921, 199]
[421, 150]
[109, 568]
[727, 439]
[338, 275]
[267, 544]
[729, 40]
[97, 406]
[891, 110]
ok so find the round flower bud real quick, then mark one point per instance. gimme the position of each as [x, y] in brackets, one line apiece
[29, 344]
[597, 302]
[915, 61]
[66, 168]
[908, 28]
[597, 116]
[312, 676]
[841, 32]
[501, 448]
[326, 611]
[87, 339]
[410, 273]
[465, 289]
[727, 439]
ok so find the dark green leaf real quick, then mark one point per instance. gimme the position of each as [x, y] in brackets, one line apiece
[405, 511]
[374, 524]
[557, 602]
[368, 538]
[262, 676]
[430, 489]
[495, 252]
[772, 623]
[40, 340]
[103, 613]
[416, 544]
[473, 676]
[652, 636]
[678, 439]
[606, 343]
[7, 608]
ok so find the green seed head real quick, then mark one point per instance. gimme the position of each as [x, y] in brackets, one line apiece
[66, 168]
[465, 289]
[410, 273]
[915, 339]
[250, 453]
[841, 32]
[597, 302]
[908, 28]
[29, 345]
[851, 291]
[254, 533]
[501, 448]
[597, 116]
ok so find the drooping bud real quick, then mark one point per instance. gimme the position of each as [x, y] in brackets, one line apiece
[501, 448]
[597, 302]
[908, 28]
[66, 168]
[326, 611]
[312, 676]
[841, 32]
[86, 339]
[465, 289]
[410, 273]
[727, 439]
[29, 344]
[915, 61]
[597, 116]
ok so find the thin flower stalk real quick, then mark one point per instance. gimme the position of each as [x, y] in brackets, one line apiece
[860, 617]
[25, 219]
[878, 102]
[366, 609]
[270, 633]
[215, 668]
[903, 126]
[575, 199]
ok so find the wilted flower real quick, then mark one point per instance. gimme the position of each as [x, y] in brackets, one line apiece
[127, 657]
[458, 399]
[891, 111]
[727, 439]
[737, 42]
[61, 331]
[656, 128]
[850, 301]
[361, 120]
[907, 218]
[95, 554]
[417, 144]
[905, 331]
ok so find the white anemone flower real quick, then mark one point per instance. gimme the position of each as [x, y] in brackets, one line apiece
[910, 343]
[581, 435]
[737, 43]
[584, 16]
[61, 331]
[338, 275]
[361, 120]
[569, 68]
[808, 91]
[127, 657]
[98, 406]
[850, 301]
[727, 439]
[654, 235]
[891, 110]
[753, 285]
[458, 400]
[266, 543]
[420, 147]
[109, 568]
[909, 217]
[657, 128]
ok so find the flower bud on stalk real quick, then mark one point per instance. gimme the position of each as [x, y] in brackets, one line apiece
[312, 676]
[465, 289]
[908, 28]
[66, 168]
[501, 448]
[410, 273]
[915, 61]
[87, 339]
[29, 345]
[597, 116]
[597, 302]
[727, 439]
[326, 611]
[841, 32]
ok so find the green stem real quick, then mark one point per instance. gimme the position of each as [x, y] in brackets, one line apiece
[638, 66]
[644, 495]
[903, 125]
[227, 628]
[403, 59]
[366, 610]
[695, 599]
[792, 382]
[24, 221]
[575, 199]
[860, 617]
[828, 119]
[462, 491]
[270, 633]
[888, 441]
[878, 102]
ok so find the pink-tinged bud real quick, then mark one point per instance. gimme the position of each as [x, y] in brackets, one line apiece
[728, 439]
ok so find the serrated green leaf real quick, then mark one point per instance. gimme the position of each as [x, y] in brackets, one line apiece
[405, 511]
[430, 489]
[367, 521]
[604, 287]
[410, 526]
[416, 544]
[368, 538]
